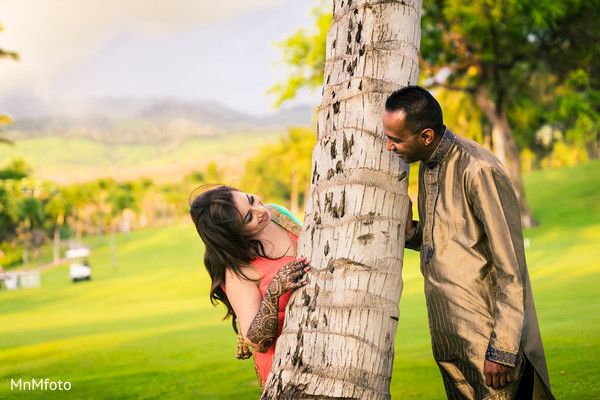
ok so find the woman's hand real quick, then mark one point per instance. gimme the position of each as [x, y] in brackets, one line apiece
[288, 278]
[263, 330]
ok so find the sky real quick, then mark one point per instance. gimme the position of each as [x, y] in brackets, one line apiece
[219, 50]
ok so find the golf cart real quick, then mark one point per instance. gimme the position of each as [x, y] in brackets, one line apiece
[79, 268]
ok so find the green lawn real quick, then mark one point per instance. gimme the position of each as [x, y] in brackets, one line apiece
[147, 330]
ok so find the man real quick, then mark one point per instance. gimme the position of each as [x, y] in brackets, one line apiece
[482, 319]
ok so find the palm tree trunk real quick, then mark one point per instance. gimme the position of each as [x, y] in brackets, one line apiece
[26, 240]
[55, 244]
[338, 338]
[25, 253]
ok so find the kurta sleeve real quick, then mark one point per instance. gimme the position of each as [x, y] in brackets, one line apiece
[495, 205]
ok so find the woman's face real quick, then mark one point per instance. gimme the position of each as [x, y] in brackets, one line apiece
[255, 217]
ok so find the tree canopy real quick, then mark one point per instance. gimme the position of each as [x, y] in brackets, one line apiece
[517, 53]
[539, 61]
[522, 64]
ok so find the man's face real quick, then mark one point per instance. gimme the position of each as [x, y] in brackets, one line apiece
[406, 144]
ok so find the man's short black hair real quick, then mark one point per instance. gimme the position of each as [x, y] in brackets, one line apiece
[421, 109]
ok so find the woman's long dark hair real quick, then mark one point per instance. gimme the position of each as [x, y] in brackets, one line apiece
[220, 226]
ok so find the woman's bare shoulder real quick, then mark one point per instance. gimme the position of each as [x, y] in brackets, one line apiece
[232, 278]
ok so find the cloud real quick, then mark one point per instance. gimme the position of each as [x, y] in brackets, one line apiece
[55, 36]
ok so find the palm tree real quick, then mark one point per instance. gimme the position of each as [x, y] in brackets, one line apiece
[120, 198]
[31, 213]
[57, 208]
[338, 337]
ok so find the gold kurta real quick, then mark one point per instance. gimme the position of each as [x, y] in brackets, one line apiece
[477, 286]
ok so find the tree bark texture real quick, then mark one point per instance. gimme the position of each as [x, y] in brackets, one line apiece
[338, 337]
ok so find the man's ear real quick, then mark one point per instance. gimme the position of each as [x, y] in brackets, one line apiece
[427, 135]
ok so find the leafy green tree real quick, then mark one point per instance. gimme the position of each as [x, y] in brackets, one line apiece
[122, 197]
[77, 196]
[578, 112]
[304, 56]
[126, 195]
[8, 212]
[57, 209]
[34, 195]
[17, 169]
[10, 252]
[280, 172]
[31, 214]
[100, 190]
[31, 211]
[492, 50]
[493, 54]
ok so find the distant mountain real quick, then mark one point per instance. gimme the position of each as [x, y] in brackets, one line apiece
[128, 120]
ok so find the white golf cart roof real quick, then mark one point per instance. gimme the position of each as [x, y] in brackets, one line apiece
[78, 253]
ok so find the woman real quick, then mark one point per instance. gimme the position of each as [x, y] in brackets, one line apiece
[250, 255]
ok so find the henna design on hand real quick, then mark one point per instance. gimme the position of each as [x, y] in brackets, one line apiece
[263, 330]
[287, 276]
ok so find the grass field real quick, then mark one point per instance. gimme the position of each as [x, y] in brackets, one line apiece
[147, 331]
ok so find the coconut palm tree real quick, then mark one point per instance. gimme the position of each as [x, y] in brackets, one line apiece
[338, 337]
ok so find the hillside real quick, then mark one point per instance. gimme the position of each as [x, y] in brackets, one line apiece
[140, 121]
[75, 159]
[132, 138]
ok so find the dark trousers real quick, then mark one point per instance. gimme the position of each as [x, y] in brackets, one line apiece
[525, 391]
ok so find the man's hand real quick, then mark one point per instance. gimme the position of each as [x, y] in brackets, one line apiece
[497, 375]
[410, 227]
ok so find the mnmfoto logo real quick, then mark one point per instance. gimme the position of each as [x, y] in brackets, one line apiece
[42, 384]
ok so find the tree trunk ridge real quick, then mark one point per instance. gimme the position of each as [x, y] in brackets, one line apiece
[338, 336]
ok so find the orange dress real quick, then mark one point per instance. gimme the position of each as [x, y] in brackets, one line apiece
[268, 269]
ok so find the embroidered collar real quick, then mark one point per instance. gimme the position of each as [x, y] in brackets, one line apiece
[441, 150]
[283, 220]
